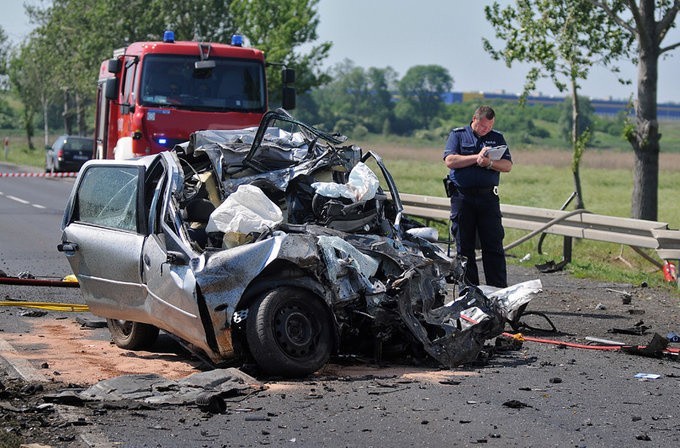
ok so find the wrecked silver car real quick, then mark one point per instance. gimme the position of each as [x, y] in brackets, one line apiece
[278, 245]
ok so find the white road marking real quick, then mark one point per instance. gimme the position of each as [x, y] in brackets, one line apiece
[21, 201]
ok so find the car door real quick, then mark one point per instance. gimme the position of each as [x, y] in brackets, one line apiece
[167, 262]
[103, 236]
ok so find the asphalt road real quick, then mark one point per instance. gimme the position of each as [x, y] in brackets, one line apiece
[31, 209]
[540, 395]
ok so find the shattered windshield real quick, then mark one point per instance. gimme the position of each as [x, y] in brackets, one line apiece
[232, 85]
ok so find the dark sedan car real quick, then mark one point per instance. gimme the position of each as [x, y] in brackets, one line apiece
[68, 153]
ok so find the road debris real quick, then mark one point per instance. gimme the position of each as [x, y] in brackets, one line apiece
[638, 329]
[647, 376]
[203, 389]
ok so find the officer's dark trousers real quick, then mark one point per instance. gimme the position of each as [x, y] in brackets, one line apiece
[473, 213]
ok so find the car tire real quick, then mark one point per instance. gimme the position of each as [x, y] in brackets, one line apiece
[289, 332]
[132, 335]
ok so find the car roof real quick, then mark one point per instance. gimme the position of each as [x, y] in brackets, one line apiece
[144, 161]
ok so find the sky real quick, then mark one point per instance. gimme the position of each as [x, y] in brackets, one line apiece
[404, 33]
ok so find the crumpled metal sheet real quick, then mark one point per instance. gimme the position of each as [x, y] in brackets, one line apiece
[463, 325]
[155, 389]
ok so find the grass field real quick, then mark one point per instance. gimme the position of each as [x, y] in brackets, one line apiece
[539, 178]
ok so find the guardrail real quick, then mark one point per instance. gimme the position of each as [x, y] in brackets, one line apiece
[636, 233]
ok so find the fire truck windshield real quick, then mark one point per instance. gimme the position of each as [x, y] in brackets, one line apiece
[231, 85]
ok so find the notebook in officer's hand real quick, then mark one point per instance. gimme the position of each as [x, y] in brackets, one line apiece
[496, 152]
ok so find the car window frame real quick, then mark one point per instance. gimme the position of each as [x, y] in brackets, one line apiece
[140, 216]
[169, 223]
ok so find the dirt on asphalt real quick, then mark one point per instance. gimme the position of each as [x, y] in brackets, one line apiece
[68, 354]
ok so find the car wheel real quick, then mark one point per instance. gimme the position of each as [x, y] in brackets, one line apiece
[289, 332]
[132, 335]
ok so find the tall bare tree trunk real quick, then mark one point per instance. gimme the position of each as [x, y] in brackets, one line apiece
[28, 126]
[68, 129]
[46, 128]
[645, 138]
[80, 115]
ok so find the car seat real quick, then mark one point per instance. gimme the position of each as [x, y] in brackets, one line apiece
[197, 214]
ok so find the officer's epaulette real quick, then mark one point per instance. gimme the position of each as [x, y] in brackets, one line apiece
[462, 128]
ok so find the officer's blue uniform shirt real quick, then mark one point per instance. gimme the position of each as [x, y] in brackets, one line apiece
[463, 141]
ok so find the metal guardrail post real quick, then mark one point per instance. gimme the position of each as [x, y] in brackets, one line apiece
[566, 249]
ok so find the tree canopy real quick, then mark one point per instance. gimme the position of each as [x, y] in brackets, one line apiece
[76, 35]
[4, 51]
[421, 91]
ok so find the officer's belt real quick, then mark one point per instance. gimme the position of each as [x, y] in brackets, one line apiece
[479, 190]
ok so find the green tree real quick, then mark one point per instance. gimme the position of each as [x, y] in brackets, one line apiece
[27, 78]
[586, 116]
[6, 114]
[332, 100]
[380, 108]
[281, 29]
[355, 97]
[561, 40]
[421, 91]
[639, 22]
[4, 51]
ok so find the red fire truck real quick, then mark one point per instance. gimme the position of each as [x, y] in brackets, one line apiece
[153, 95]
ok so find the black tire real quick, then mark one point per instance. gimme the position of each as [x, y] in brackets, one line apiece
[289, 332]
[132, 335]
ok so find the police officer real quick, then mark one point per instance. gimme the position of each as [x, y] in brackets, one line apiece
[475, 207]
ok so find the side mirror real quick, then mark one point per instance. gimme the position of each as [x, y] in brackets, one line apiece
[287, 76]
[288, 98]
[110, 89]
[114, 65]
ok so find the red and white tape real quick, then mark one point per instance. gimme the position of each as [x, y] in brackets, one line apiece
[70, 174]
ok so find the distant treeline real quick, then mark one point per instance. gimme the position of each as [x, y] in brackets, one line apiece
[604, 107]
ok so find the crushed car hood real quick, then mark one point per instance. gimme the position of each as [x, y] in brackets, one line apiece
[362, 262]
